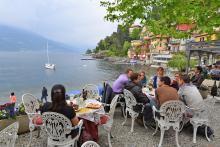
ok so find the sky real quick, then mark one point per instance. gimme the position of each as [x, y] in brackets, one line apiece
[74, 22]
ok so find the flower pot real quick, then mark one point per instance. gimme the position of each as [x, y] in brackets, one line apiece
[22, 120]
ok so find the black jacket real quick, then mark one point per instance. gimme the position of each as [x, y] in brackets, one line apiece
[136, 90]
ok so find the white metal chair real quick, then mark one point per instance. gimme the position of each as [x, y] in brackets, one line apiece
[31, 106]
[202, 115]
[108, 125]
[9, 135]
[90, 144]
[58, 127]
[92, 91]
[130, 102]
[122, 103]
[169, 115]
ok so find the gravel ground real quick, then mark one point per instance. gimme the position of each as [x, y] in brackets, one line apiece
[140, 138]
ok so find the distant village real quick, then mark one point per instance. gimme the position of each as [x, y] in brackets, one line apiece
[158, 49]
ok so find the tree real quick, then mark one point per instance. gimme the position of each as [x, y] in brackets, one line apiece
[179, 61]
[114, 44]
[126, 47]
[88, 51]
[163, 16]
[135, 34]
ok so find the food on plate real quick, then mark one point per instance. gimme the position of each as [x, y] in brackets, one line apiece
[93, 105]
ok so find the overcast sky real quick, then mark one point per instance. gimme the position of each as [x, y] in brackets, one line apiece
[76, 22]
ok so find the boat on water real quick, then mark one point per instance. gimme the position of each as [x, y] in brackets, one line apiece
[133, 61]
[49, 65]
[87, 59]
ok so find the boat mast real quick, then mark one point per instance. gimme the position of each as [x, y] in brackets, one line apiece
[48, 61]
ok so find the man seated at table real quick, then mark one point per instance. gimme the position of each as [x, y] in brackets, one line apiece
[135, 88]
[191, 96]
[188, 92]
[121, 81]
[165, 92]
[198, 77]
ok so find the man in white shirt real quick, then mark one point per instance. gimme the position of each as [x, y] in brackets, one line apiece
[188, 92]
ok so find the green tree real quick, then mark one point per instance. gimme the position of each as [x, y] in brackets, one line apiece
[114, 44]
[88, 51]
[179, 61]
[163, 16]
[135, 34]
[126, 47]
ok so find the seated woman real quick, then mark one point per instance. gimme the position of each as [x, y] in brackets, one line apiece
[59, 105]
[143, 79]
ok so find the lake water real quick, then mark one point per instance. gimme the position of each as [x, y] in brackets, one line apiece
[24, 72]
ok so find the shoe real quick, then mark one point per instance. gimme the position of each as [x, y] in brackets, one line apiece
[150, 124]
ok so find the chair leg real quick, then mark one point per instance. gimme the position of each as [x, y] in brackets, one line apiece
[144, 123]
[155, 129]
[109, 140]
[123, 109]
[111, 135]
[161, 137]
[177, 140]
[206, 129]
[132, 124]
[194, 133]
[38, 132]
[29, 143]
[125, 118]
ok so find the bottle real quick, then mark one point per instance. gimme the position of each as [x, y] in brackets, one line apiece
[214, 89]
[84, 94]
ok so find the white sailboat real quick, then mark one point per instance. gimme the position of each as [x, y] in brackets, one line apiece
[49, 65]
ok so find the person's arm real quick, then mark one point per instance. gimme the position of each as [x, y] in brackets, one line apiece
[75, 121]
[156, 97]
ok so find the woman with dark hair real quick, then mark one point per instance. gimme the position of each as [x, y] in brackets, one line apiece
[59, 105]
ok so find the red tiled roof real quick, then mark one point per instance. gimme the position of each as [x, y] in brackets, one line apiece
[184, 27]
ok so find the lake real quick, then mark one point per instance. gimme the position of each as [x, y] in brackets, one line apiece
[24, 72]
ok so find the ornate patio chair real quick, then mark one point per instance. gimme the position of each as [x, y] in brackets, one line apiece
[169, 115]
[90, 144]
[32, 106]
[122, 103]
[108, 126]
[9, 135]
[92, 92]
[202, 115]
[130, 102]
[57, 127]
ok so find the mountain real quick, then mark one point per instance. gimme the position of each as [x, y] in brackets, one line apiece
[14, 39]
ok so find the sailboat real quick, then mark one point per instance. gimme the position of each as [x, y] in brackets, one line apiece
[48, 65]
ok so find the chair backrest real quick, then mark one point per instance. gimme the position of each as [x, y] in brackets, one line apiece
[90, 144]
[31, 103]
[92, 91]
[113, 105]
[8, 135]
[204, 109]
[172, 111]
[129, 99]
[57, 126]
